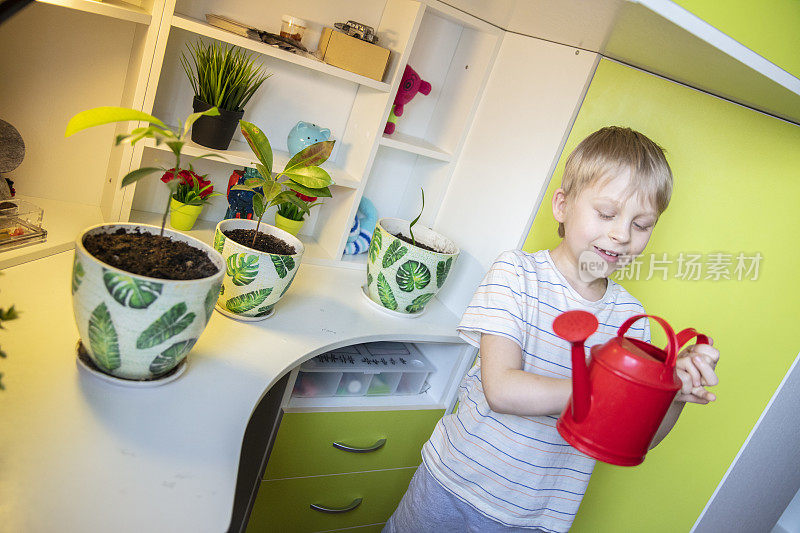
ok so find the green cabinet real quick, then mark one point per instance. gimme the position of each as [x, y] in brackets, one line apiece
[306, 469]
[305, 442]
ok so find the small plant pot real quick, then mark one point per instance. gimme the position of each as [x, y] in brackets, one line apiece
[402, 277]
[287, 224]
[214, 132]
[254, 281]
[137, 327]
[183, 216]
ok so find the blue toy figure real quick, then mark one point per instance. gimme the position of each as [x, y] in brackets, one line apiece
[240, 203]
[305, 134]
[363, 227]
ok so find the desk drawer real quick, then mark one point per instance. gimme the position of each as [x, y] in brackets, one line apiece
[284, 505]
[304, 445]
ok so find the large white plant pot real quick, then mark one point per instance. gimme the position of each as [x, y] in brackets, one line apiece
[402, 277]
[136, 327]
[254, 281]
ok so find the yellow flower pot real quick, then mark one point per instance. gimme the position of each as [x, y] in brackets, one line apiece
[287, 224]
[183, 216]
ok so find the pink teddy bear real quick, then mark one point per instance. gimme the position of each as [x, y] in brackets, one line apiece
[410, 85]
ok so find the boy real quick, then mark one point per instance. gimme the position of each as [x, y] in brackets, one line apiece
[498, 463]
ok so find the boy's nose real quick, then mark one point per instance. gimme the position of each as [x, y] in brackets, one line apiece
[620, 232]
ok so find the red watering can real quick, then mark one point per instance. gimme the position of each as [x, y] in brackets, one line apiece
[620, 400]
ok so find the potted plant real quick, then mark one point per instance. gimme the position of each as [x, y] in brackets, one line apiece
[291, 215]
[142, 295]
[225, 77]
[192, 192]
[262, 260]
[407, 266]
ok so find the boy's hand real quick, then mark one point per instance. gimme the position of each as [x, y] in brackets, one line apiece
[695, 366]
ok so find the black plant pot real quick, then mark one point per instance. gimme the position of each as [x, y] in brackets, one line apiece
[214, 132]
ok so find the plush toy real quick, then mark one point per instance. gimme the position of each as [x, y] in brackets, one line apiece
[363, 227]
[410, 85]
[240, 203]
[305, 134]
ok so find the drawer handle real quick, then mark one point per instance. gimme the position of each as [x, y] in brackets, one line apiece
[377, 446]
[355, 503]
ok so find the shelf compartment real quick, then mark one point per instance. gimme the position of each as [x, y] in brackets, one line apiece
[109, 8]
[414, 145]
[202, 28]
[240, 154]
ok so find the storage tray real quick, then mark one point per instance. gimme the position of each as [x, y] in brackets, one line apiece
[372, 369]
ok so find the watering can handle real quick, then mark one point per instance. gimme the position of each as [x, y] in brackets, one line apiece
[688, 334]
[672, 341]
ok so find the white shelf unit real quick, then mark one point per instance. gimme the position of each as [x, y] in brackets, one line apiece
[108, 8]
[353, 107]
[451, 362]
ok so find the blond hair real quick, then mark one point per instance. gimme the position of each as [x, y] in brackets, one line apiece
[609, 152]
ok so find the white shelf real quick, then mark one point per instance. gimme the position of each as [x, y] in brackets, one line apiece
[109, 8]
[204, 231]
[63, 221]
[240, 154]
[414, 145]
[202, 28]
[363, 403]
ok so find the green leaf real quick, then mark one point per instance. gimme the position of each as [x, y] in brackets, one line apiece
[222, 157]
[322, 192]
[246, 302]
[167, 325]
[283, 264]
[385, 293]
[313, 177]
[219, 240]
[313, 155]
[286, 288]
[258, 143]
[266, 172]
[419, 302]
[411, 275]
[271, 190]
[442, 269]
[131, 292]
[254, 183]
[77, 274]
[369, 279]
[242, 268]
[394, 252]
[211, 299]
[139, 173]
[103, 338]
[375, 245]
[106, 115]
[166, 360]
[191, 119]
[258, 205]
[264, 311]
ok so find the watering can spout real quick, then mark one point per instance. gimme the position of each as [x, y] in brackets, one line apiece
[575, 327]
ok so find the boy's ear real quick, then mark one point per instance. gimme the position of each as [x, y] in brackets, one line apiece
[559, 205]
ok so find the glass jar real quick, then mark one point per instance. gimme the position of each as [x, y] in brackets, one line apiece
[293, 28]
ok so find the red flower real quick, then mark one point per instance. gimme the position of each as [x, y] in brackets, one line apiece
[306, 198]
[186, 179]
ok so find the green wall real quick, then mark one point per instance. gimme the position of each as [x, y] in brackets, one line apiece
[737, 189]
[770, 28]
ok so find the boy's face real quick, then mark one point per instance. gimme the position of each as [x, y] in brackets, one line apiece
[606, 226]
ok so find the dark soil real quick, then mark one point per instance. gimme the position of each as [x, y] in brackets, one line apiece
[269, 244]
[150, 255]
[418, 244]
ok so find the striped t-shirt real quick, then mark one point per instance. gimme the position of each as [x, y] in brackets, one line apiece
[518, 470]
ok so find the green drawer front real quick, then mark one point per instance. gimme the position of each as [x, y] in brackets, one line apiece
[304, 446]
[284, 505]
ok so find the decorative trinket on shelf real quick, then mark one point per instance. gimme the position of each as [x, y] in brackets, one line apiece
[240, 202]
[12, 152]
[305, 134]
[410, 85]
[272, 39]
[363, 227]
[20, 224]
[357, 30]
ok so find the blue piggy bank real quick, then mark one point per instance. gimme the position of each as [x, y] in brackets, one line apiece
[305, 134]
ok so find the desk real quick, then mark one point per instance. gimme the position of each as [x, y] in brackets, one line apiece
[79, 454]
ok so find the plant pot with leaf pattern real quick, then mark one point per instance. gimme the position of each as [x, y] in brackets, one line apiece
[404, 277]
[133, 326]
[254, 280]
